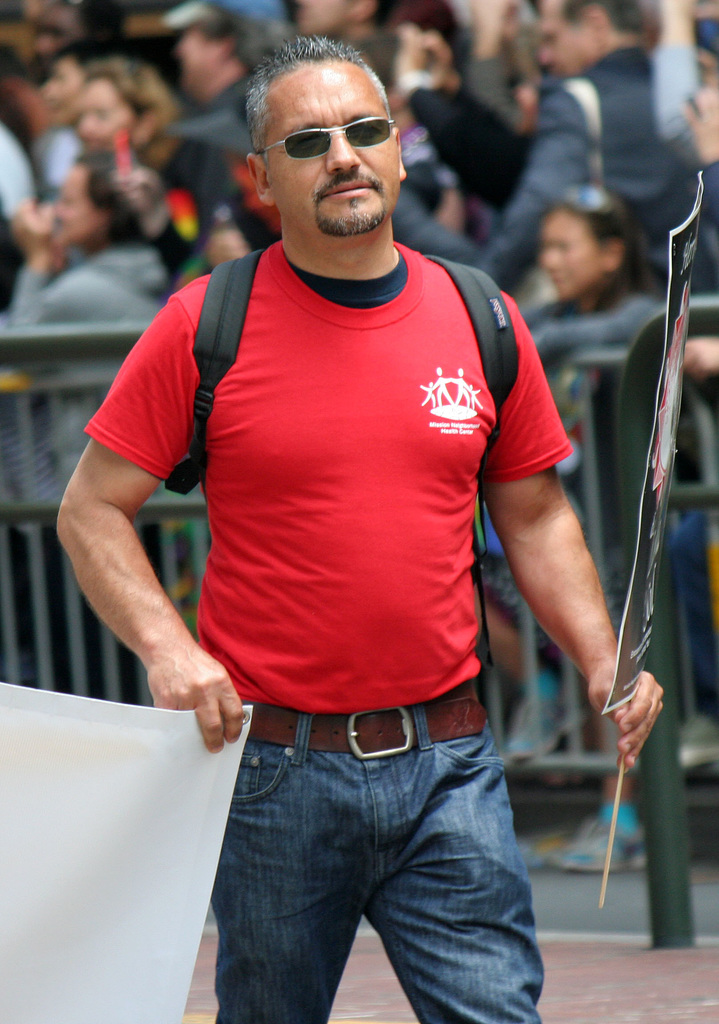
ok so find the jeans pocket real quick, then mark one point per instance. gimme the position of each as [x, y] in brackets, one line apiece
[262, 768]
[478, 750]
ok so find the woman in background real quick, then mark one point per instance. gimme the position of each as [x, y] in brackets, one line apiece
[85, 257]
[125, 108]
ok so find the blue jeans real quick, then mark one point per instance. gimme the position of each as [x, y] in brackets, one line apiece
[421, 843]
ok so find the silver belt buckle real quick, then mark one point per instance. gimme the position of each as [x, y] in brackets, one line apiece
[407, 729]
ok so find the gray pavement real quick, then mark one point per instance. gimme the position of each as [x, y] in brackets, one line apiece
[567, 903]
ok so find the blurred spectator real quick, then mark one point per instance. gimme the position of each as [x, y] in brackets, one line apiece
[351, 20]
[16, 179]
[688, 547]
[216, 51]
[126, 107]
[593, 252]
[431, 213]
[85, 260]
[429, 15]
[58, 147]
[487, 154]
[601, 41]
[684, 60]
[60, 22]
[23, 114]
[702, 116]
[124, 95]
[20, 120]
[260, 10]
[690, 543]
[500, 68]
[687, 110]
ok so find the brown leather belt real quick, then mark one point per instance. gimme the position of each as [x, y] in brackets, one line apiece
[371, 734]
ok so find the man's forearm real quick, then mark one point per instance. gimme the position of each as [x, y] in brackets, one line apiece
[115, 575]
[549, 559]
[559, 581]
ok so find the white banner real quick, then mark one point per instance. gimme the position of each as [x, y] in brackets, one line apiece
[111, 823]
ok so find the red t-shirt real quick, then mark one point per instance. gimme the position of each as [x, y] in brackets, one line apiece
[343, 450]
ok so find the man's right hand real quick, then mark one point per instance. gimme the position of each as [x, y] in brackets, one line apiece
[189, 679]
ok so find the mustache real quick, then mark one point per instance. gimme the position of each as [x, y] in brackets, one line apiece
[346, 178]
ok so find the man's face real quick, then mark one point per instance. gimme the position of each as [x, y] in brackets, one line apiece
[103, 113]
[346, 192]
[198, 56]
[57, 26]
[79, 222]
[565, 48]
[62, 91]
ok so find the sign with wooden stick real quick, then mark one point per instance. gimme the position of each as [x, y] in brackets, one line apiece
[636, 627]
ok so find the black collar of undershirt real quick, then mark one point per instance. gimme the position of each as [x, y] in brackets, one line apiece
[358, 294]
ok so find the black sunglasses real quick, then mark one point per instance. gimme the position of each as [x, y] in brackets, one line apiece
[312, 142]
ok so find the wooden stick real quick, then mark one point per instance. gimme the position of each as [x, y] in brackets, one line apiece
[612, 829]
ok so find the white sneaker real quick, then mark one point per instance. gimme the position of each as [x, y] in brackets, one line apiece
[587, 851]
[531, 735]
[698, 741]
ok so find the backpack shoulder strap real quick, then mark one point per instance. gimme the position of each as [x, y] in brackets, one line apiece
[492, 326]
[498, 351]
[215, 350]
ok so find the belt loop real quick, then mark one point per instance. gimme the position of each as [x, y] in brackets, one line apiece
[302, 738]
[420, 724]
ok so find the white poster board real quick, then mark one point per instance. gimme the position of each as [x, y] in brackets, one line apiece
[111, 823]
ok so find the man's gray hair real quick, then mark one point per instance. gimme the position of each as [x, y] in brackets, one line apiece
[625, 15]
[289, 57]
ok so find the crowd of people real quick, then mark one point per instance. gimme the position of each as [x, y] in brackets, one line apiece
[553, 144]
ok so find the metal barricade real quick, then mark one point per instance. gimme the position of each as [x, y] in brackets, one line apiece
[51, 381]
[595, 756]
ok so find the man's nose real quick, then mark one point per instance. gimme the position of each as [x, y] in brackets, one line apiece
[341, 153]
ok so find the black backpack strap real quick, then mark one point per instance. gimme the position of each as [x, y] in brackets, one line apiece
[216, 343]
[498, 351]
[492, 325]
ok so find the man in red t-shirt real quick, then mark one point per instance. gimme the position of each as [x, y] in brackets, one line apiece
[343, 450]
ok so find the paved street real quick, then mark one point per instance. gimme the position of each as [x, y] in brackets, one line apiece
[589, 980]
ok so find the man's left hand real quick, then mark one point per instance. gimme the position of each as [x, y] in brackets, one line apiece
[636, 718]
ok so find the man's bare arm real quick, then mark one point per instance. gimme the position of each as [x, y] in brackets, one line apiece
[546, 551]
[96, 527]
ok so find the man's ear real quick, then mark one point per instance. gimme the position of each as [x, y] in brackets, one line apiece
[402, 171]
[257, 167]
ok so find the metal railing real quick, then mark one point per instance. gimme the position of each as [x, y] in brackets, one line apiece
[54, 378]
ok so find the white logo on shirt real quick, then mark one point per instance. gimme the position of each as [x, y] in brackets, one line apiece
[452, 397]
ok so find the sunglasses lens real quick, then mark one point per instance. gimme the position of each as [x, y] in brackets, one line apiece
[370, 132]
[304, 145]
